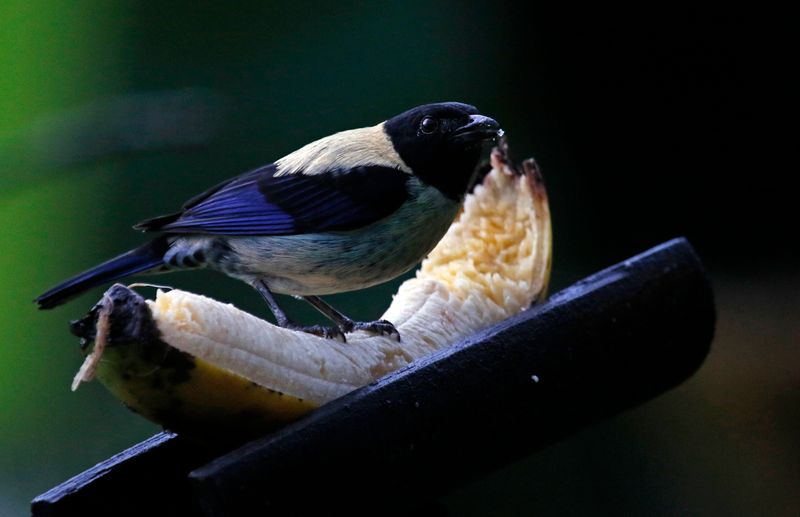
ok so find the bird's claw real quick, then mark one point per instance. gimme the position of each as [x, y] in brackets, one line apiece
[380, 327]
[321, 331]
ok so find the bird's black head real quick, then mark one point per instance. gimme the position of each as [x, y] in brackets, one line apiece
[442, 143]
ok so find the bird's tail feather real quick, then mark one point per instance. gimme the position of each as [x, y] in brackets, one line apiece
[138, 260]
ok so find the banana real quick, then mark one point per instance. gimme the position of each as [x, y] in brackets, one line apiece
[199, 366]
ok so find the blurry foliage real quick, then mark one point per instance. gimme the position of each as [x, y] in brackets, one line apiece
[111, 112]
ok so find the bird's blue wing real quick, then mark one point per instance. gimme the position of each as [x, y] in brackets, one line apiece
[261, 203]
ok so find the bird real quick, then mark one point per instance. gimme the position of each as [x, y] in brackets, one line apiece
[348, 211]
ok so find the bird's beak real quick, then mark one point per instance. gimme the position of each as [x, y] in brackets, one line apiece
[478, 128]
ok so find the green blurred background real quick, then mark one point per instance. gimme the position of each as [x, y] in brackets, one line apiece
[648, 123]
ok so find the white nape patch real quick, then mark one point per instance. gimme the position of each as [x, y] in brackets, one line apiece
[344, 150]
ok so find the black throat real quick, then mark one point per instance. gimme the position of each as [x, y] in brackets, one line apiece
[449, 168]
[451, 174]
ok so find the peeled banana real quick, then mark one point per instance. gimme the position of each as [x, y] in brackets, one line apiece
[202, 367]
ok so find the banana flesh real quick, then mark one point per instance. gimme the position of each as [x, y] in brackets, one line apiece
[199, 366]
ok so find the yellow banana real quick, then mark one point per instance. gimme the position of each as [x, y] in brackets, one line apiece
[202, 367]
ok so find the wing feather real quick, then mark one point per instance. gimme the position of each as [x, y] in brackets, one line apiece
[262, 203]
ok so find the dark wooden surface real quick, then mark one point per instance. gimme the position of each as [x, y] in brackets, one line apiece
[605, 344]
[133, 482]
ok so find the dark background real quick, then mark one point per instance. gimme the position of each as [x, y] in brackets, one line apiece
[648, 123]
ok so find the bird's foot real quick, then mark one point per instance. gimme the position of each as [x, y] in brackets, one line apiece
[380, 327]
[346, 325]
[319, 330]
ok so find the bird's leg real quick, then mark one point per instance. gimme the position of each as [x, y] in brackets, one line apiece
[345, 324]
[285, 322]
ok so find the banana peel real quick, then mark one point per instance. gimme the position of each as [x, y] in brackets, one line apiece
[201, 367]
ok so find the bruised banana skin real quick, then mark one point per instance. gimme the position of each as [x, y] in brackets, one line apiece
[170, 387]
[198, 366]
[190, 394]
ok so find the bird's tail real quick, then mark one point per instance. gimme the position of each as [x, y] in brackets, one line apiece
[138, 260]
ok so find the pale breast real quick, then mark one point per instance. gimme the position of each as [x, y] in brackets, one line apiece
[327, 263]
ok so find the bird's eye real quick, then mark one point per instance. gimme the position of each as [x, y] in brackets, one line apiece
[429, 125]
